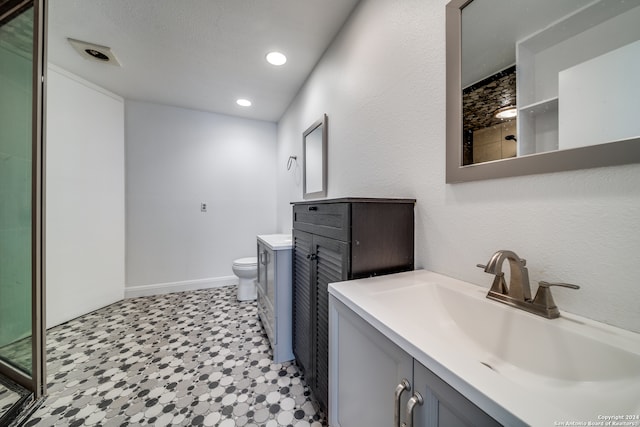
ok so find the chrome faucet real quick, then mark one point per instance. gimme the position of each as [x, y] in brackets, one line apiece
[519, 288]
[518, 293]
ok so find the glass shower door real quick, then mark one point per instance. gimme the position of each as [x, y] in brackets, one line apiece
[21, 358]
[16, 63]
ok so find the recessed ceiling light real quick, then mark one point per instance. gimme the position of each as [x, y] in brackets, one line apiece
[243, 102]
[507, 112]
[276, 58]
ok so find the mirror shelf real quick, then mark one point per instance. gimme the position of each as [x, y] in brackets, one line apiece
[539, 106]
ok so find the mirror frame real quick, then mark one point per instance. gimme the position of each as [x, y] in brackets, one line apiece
[614, 153]
[322, 123]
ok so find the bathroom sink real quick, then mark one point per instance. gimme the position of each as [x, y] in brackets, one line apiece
[505, 338]
[562, 349]
[540, 369]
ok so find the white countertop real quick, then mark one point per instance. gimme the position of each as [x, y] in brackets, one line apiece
[276, 242]
[408, 309]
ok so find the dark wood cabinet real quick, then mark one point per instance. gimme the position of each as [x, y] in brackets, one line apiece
[336, 240]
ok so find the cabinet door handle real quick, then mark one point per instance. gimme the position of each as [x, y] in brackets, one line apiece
[312, 256]
[416, 399]
[400, 388]
[313, 208]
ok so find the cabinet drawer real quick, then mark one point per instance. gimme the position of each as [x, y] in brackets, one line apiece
[324, 219]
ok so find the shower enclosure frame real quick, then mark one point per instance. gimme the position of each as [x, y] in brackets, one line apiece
[36, 382]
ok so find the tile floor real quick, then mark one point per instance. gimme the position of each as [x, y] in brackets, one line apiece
[8, 398]
[193, 358]
[12, 396]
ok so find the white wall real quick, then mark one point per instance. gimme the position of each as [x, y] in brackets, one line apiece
[593, 41]
[605, 88]
[84, 197]
[177, 159]
[382, 84]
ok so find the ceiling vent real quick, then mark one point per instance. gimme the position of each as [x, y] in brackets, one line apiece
[94, 52]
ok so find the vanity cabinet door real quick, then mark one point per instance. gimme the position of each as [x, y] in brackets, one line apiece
[262, 269]
[266, 292]
[270, 271]
[364, 369]
[318, 261]
[303, 304]
[443, 406]
[331, 265]
[266, 273]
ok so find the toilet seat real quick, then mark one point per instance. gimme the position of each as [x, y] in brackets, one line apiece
[248, 262]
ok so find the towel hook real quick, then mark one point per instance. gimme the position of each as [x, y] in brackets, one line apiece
[291, 160]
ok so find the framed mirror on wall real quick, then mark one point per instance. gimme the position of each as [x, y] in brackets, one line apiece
[541, 89]
[314, 152]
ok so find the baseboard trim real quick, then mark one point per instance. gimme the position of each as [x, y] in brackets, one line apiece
[187, 285]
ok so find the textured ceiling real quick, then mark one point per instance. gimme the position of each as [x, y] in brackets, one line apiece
[491, 28]
[199, 54]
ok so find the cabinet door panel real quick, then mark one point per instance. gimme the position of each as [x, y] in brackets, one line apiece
[266, 314]
[262, 271]
[283, 305]
[303, 303]
[444, 406]
[270, 289]
[365, 369]
[332, 258]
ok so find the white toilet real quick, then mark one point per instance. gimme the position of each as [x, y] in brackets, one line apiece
[247, 271]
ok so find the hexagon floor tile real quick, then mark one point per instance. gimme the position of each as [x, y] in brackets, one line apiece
[197, 358]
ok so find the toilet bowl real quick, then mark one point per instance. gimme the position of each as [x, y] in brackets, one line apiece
[247, 271]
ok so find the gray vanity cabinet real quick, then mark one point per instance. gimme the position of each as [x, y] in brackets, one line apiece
[365, 369]
[336, 240]
[274, 295]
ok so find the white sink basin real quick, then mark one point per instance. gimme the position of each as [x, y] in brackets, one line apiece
[524, 362]
[572, 351]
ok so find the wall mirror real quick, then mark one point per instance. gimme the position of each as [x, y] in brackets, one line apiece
[314, 150]
[544, 86]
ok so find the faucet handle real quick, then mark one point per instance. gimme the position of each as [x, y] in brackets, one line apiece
[544, 284]
[499, 285]
[545, 299]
